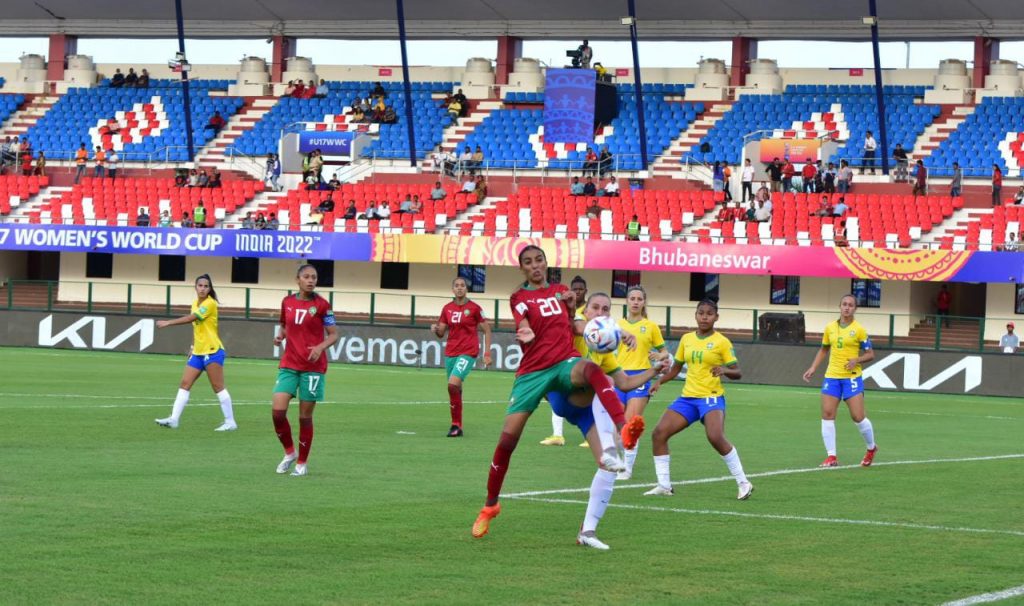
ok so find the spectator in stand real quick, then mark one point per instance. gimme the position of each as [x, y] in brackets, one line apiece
[454, 110]
[808, 173]
[406, 206]
[840, 208]
[186, 221]
[117, 80]
[40, 164]
[478, 158]
[214, 182]
[112, 160]
[389, 117]
[143, 219]
[463, 102]
[359, 115]
[763, 212]
[828, 179]
[299, 89]
[199, 215]
[350, 212]
[751, 212]
[6, 157]
[727, 180]
[788, 171]
[840, 235]
[611, 189]
[261, 221]
[326, 205]
[316, 164]
[469, 186]
[248, 222]
[997, 185]
[1011, 244]
[763, 195]
[417, 206]
[775, 175]
[594, 210]
[717, 177]
[943, 302]
[289, 89]
[824, 208]
[1009, 343]
[819, 177]
[132, 78]
[378, 110]
[371, 211]
[725, 214]
[590, 162]
[465, 160]
[438, 193]
[844, 179]
[902, 163]
[272, 223]
[633, 229]
[315, 217]
[272, 172]
[589, 189]
[321, 90]
[384, 212]
[312, 184]
[81, 157]
[26, 163]
[1018, 198]
[334, 183]
[165, 220]
[143, 81]
[379, 92]
[920, 179]
[99, 158]
[216, 123]
[747, 179]
[870, 145]
[193, 178]
[576, 188]
[204, 178]
[481, 189]
[605, 162]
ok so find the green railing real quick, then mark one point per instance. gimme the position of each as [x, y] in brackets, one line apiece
[889, 331]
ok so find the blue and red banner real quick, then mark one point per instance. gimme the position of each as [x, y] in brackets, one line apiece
[569, 105]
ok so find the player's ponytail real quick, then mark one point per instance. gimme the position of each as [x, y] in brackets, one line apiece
[641, 290]
[209, 280]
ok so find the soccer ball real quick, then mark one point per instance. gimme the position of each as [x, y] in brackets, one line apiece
[602, 335]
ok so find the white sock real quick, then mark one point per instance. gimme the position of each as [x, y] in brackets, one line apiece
[556, 425]
[828, 435]
[868, 432]
[179, 403]
[732, 461]
[605, 427]
[661, 469]
[600, 494]
[631, 458]
[225, 405]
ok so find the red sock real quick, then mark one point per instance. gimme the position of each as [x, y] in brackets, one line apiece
[284, 430]
[499, 466]
[305, 438]
[455, 402]
[605, 392]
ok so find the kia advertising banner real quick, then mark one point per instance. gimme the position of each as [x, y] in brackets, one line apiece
[990, 374]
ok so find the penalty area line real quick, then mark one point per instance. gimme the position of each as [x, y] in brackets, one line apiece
[765, 474]
[985, 598]
[790, 518]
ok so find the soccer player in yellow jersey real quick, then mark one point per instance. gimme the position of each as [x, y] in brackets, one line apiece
[596, 424]
[848, 347]
[207, 354]
[708, 356]
[557, 437]
[638, 359]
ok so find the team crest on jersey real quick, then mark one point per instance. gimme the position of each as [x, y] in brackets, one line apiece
[202, 309]
[711, 346]
[643, 329]
[853, 333]
[312, 310]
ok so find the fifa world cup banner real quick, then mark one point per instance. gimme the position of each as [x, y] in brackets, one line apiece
[569, 105]
[330, 143]
[797, 150]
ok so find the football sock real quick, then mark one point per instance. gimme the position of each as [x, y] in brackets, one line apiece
[828, 435]
[179, 403]
[600, 494]
[631, 458]
[499, 466]
[732, 461]
[605, 392]
[868, 432]
[225, 406]
[661, 469]
[455, 403]
[305, 438]
[557, 424]
[284, 430]
[606, 431]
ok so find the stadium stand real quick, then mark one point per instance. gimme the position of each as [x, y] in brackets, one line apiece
[392, 142]
[991, 135]
[9, 104]
[15, 189]
[845, 111]
[149, 120]
[988, 232]
[117, 201]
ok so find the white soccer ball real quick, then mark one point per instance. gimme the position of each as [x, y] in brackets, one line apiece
[602, 335]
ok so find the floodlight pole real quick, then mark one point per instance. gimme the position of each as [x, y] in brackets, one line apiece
[883, 136]
[638, 84]
[405, 83]
[184, 83]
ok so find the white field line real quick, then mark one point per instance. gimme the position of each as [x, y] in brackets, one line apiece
[771, 516]
[765, 474]
[985, 598]
[165, 401]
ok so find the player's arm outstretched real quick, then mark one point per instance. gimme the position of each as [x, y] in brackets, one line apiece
[818, 359]
[190, 318]
[627, 382]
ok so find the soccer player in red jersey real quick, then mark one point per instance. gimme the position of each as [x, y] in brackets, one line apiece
[460, 320]
[305, 317]
[543, 317]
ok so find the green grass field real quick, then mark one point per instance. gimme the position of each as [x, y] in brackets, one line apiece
[100, 505]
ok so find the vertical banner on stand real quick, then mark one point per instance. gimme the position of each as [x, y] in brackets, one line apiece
[569, 105]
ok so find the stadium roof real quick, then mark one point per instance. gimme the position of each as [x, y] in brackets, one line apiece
[484, 19]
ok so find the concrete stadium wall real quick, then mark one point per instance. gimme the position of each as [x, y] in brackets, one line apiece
[935, 372]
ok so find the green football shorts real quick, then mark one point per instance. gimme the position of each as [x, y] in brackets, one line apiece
[528, 389]
[459, 366]
[308, 386]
